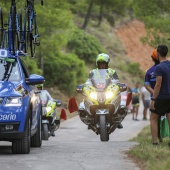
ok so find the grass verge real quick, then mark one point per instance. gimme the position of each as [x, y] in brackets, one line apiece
[146, 155]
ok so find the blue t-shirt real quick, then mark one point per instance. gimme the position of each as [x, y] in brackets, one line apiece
[150, 77]
[134, 91]
[163, 70]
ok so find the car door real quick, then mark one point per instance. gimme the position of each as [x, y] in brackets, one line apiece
[34, 98]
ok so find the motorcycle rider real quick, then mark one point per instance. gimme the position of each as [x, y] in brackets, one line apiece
[102, 62]
[52, 104]
[46, 101]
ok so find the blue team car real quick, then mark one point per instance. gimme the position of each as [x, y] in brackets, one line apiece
[20, 106]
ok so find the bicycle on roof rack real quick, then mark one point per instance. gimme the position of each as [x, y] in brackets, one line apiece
[10, 31]
[16, 36]
[30, 32]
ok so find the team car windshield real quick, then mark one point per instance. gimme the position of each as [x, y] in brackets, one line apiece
[9, 70]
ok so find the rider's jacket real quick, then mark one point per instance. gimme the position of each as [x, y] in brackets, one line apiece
[112, 74]
[51, 104]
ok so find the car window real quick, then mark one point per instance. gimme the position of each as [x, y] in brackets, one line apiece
[9, 70]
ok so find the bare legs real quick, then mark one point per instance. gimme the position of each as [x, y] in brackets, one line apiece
[154, 126]
[145, 113]
[135, 112]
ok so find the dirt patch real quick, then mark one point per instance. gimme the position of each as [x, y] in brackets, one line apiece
[130, 34]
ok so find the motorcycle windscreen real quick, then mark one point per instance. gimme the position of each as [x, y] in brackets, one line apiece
[129, 98]
[63, 114]
[72, 105]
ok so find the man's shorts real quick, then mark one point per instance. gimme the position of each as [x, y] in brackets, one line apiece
[146, 103]
[162, 106]
[135, 102]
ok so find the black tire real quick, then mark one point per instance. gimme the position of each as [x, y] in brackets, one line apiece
[20, 28]
[22, 146]
[45, 131]
[36, 139]
[26, 31]
[1, 27]
[15, 40]
[104, 136]
[32, 46]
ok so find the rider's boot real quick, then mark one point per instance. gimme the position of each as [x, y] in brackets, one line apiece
[119, 126]
[53, 134]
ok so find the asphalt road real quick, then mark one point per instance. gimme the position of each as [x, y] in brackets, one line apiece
[76, 148]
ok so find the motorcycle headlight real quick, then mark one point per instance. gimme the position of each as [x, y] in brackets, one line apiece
[109, 94]
[93, 95]
[48, 109]
[13, 101]
[33, 98]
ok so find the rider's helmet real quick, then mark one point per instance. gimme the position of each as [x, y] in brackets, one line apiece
[103, 58]
[39, 86]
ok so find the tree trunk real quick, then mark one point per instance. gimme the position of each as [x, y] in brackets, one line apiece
[88, 15]
[101, 13]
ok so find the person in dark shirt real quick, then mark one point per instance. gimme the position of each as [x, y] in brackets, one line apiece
[150, 81]
[160, 103]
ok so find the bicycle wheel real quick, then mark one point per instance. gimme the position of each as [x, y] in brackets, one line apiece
[15, 40]
[19, 28]
[33, 36]
[26, 31]
[1, 27]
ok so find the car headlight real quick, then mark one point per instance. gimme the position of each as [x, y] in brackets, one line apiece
[109, 94]
[93, 95]
[48, 109]
[13, 101]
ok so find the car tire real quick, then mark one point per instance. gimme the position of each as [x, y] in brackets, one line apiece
[36, 139]
[22, 146]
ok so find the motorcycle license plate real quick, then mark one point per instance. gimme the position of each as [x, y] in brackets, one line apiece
[102, 111]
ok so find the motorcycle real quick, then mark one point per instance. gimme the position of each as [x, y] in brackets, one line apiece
[101, 109]
[49, 122]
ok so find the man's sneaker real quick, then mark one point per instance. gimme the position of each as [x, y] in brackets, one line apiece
[119, 126]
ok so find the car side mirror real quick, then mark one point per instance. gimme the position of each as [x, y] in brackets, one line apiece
[34, 79]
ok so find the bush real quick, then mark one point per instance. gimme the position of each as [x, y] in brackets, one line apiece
[85, 46]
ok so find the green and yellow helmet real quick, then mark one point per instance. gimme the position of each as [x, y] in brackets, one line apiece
[39, 86]
[103, 58]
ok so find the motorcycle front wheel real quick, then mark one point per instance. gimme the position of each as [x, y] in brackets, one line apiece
[45, 131]
[104, 136]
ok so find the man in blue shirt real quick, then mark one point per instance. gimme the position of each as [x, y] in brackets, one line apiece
[161, 95]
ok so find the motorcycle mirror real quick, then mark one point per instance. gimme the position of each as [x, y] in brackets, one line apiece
[129, 98]
[79, 88]
[123, 87]
[72, 105]
[58, 103]
[63, 114]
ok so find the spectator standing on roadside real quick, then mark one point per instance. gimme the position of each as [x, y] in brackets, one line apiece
[150, 81]
[161, 94]
[146, 101]
[135, 101]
